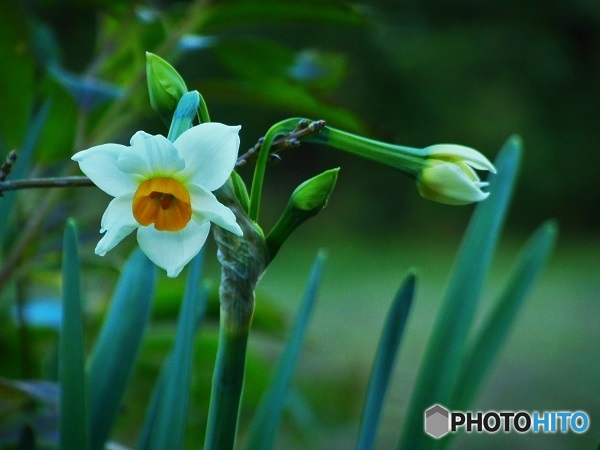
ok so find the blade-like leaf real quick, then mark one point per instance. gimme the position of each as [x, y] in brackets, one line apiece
[73, 412]
[168, 425]
[23, 162]
[492, 335]
[268, 414]
[117, 346]
[439, 370]
[387, 352]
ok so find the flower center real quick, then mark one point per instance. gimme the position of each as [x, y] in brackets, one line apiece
[165, 202]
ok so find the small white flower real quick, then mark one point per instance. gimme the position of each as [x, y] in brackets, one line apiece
[163, 190]
[448, 175]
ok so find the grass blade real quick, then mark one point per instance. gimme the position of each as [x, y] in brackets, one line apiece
[168, 427]
[117, 346]
[73, 424]
[439, 369]
[492, 335]
[268, 414]
[385, 359]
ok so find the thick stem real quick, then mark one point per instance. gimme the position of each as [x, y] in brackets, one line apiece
[228, 379]
[243, 260]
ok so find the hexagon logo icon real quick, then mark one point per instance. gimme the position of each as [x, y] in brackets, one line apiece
[437, 421]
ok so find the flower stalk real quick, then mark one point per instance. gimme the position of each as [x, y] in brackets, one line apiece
[243, 260]
[444, 173]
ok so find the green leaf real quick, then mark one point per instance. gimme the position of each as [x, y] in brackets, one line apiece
[17, 76]
[58, 133]
[486, 345]
[89, 93]
[248, 12]
[387, 352]
[118, 344]
[168, 425]
[73, 408]
[287, 96]
[268, 414]
[253, 58]
[439, 370]
[23, 163]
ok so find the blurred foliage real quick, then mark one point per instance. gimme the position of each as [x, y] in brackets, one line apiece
[418, 73]
[414, 73]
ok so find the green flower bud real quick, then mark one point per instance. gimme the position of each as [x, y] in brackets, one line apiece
[448, 176]
[306, 201]
[165, 86]
[444, 172]
[312, 195]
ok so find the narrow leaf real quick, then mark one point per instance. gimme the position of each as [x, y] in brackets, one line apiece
[268, 414]
[22, 164]
[492, 335]
[387, 352]
[439, 370]
[73, 424]
[169, 424]
[118, 344]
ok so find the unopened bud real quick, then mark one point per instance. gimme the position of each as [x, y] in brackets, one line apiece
[165, 86]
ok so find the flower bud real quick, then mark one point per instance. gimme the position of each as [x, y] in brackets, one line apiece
[306, 201]
[312, 195]
[165, 86]
[448, 176]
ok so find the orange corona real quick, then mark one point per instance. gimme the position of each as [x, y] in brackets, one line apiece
[165, 202]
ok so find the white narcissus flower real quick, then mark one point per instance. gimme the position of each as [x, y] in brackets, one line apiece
[448, 175]
[163, 190]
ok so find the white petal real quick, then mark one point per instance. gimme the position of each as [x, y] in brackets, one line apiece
[150, 156]
[100, 165]
[210, 151]
[173, 250]
[117, 222]
[452, 152]
[207, 207]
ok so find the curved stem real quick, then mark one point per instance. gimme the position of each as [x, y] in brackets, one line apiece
[407, 159]
[283, 127]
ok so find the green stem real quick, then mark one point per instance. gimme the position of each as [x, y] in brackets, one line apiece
[406, 159]
[228, 379]
[283, 127]
[243, 261]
